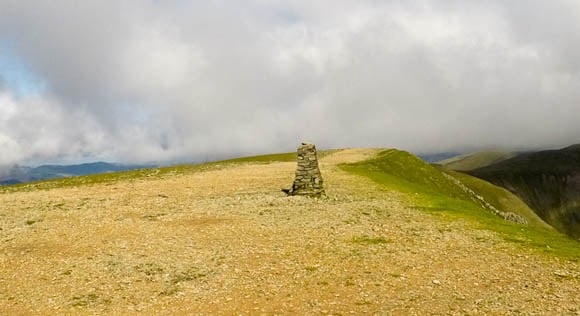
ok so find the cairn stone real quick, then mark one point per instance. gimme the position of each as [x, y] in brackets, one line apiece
[308, 180]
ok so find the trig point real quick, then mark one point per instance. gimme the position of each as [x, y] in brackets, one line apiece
[308, 179]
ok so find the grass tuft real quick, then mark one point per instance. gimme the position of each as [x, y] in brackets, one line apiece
[30, 222]
[366, 240]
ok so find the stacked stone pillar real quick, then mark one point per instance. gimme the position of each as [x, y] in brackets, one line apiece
[308, 180]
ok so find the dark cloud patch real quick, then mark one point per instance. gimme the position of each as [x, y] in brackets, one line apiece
[146, 81]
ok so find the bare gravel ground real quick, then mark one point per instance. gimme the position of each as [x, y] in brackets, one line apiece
[228, 242]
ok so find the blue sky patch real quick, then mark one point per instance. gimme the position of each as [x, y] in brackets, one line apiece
[16, 75]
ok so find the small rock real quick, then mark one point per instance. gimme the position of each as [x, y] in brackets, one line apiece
[561, 274]
[436, 282]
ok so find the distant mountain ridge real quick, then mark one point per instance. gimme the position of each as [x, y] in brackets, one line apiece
[476, 160]
[435, 157]
[21, 174]
[548, 181]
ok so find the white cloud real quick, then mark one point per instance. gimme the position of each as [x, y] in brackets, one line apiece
[143, 81]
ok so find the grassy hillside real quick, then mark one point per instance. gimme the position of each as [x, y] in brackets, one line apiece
[428, 188]
[475, 160]
[548, 181]
[499, 197]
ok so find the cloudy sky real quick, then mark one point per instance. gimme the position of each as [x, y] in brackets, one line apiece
[143, 81]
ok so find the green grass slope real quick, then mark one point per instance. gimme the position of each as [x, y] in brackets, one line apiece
[499, 197]
[431, 189]
[476, 160]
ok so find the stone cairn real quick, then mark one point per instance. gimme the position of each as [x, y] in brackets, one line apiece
[308, 179]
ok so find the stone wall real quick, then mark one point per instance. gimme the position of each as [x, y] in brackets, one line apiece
[308, 180]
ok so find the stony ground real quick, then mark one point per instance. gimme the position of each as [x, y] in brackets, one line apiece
[229, 242]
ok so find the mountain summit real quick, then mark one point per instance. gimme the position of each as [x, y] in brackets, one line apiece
[394, 235]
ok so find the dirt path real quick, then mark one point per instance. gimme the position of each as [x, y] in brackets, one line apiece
[229, 242]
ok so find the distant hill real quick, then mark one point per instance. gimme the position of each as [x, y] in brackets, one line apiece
[435, 157]
[9, 182]
[18, 174]
[548, 181]
[476, 160]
